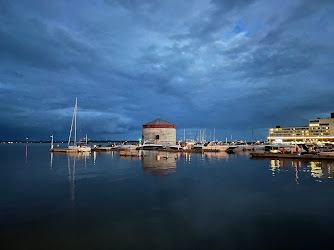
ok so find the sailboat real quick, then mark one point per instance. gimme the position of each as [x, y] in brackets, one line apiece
[83, 148]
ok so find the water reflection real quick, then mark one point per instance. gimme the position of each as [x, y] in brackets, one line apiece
[130, 158]
[71, 176]
[51, 160]
[153, 166]
[215, 156]
[165, 166]
[236, 205]
[72, 159]
[26, 154]
[188, 157]
[296, 176]
[316, 169]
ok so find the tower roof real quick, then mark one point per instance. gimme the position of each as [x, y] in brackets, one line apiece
[159, 121]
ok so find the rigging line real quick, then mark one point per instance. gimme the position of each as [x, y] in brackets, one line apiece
[69, 138]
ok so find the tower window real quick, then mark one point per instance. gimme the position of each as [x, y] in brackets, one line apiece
[157, 137]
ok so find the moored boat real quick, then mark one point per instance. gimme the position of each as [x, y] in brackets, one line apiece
[212, 146]
[149, 145]
[73, 148]
[125, 146]
[178, 147]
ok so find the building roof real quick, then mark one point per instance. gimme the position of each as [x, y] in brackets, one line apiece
[159, 121]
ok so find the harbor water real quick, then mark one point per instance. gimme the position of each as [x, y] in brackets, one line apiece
[188, 201]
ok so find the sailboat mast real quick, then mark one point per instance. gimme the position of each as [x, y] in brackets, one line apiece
[75, 121]
[69, 137]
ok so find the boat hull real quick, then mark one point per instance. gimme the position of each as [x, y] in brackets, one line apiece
[85, 149]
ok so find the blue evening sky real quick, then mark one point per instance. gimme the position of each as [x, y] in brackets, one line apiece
[235, 66]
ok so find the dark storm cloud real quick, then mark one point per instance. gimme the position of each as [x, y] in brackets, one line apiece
[229, 65]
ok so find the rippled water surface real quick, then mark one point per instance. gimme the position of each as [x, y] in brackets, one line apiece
[189, 201]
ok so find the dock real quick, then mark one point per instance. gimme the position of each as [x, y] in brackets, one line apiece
[63, 150]
[292, 156]
[102, 149]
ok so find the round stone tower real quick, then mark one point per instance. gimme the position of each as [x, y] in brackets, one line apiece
[159, 131]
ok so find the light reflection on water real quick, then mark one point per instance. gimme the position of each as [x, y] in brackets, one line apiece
[316, 169]
[164, 167]
[225, 200]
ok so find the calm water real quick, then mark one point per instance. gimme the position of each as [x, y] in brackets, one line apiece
[211, 201]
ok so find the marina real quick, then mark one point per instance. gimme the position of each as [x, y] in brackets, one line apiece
[161, 183]
[166, 125]
[160, 135]
[80, 148]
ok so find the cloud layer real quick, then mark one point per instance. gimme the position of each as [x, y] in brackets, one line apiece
[229, 65]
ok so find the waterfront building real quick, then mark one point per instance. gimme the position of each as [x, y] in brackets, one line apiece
[318, 130]
[159, 131]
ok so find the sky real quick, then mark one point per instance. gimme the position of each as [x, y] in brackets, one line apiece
[232, 66]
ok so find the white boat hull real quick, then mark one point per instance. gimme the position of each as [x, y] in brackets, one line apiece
[126, 147]
[220, 148]
[152, 146]
[74, 147]
[85, 149]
